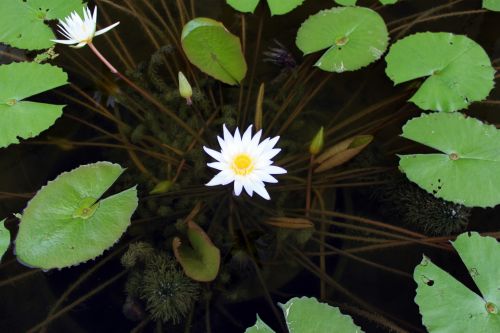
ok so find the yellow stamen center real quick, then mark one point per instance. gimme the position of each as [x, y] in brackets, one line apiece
[242, 164]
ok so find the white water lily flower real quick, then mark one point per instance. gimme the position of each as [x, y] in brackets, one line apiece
[245, 161]
[80, 31]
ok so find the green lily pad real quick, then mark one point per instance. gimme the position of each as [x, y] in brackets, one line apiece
[353, 2]
[67, 222]
[25, 119]
[354, 37]
[277, 7]
[214, 50]
[259, 327]
[492, 5]
[306, 314]
[446, 305]
[200, 262]
[467, 169]
[458, 70]
[23, 24]
[4, 239]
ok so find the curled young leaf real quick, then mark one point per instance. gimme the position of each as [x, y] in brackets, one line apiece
[201, 260]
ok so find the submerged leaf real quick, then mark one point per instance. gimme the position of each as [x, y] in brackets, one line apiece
[458, 70]
[446, 305]
[214, 50]
[66, 223]
[200, 262]
[19, 118]
[277, 7]
[289, 223]
[467, 169]
[354, 37]
[342, 152]
[23, 24]
[4, 239]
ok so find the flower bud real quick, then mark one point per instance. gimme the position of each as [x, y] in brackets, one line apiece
[318, 142]
[185, 88]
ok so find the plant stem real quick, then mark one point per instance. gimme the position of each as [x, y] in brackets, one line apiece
[145, 94]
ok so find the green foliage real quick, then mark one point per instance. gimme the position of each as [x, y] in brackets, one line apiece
[4, 239]
[353, 2]
[277, 7]
[201, 261]
[492, 5]
[306, 314]
[467, 171]
[66, 224]
[21, 118]
[214, 50]
[354, 37]
[168, 293]
[458, 70]
[446, 304]
[23, 24]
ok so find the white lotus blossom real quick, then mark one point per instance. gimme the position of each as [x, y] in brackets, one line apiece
[80, 31]
[245, 161]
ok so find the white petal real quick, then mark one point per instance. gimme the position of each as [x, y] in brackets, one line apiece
[64, 41]
[255, 140]
[247, 185]
[218, 165]
[100, 32]
[222, 143]
[247, 136]
[238, 187]
[213, 153]
[237, 137]
[275, 170]
[228, 138]
[265, 177]
[222, 178]
[261, 190]
[267, 155]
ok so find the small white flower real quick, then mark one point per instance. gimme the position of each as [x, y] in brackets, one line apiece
[80, 31]
[245, 161]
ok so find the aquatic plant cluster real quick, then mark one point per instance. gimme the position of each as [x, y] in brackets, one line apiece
[215, 172]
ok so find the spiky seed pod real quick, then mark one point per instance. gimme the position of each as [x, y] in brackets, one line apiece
[137, 252]
[168, 293]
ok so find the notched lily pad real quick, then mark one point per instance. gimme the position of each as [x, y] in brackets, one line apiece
[67, 222]
[201, 260]
[457, 69]
[277, 7]
[24, 119]
[467, 169]
[23, 23]
[353, 37]
[446, 305]
[214, 50]
[4, 239]
[306, 314]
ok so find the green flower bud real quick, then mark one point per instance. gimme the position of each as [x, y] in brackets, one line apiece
[318, 142]
[185, 88]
